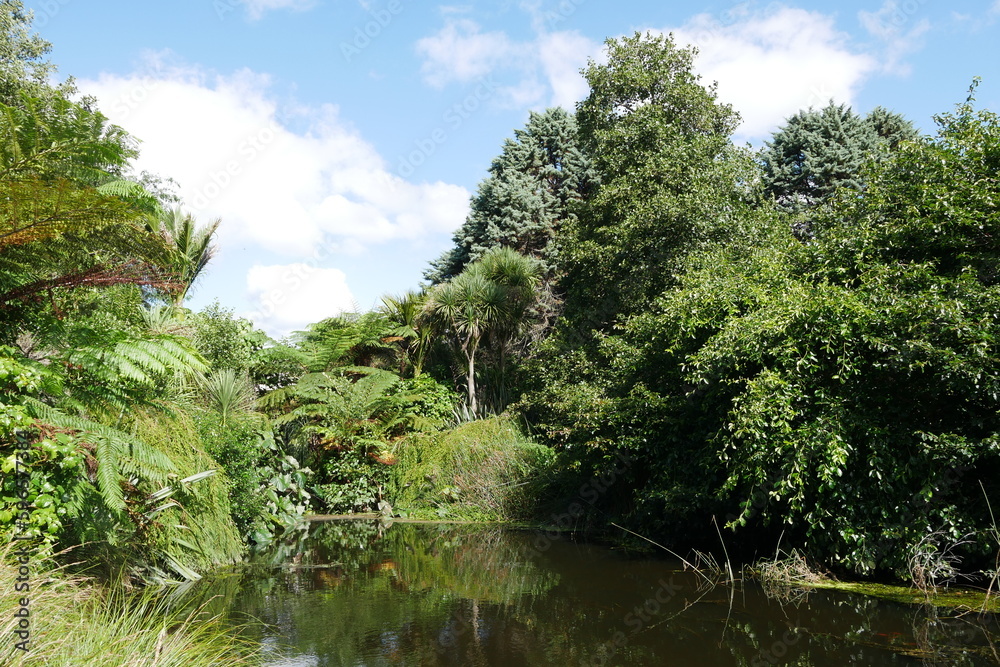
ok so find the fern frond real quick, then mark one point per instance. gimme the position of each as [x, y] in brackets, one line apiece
[118, 454]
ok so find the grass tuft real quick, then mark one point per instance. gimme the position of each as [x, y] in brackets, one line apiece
[75, 622]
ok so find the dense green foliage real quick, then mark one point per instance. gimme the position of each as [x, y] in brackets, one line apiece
[820, 151]
[839, 393]
[485, 470]
[75, 623]
[671, 181]
[107, 408]
[485, 306]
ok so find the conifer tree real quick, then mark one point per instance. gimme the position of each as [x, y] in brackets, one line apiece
[818, 151]
[529, 195]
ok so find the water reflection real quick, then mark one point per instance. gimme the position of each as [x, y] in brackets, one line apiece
[363, 593]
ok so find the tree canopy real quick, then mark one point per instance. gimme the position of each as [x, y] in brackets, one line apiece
[818, 151]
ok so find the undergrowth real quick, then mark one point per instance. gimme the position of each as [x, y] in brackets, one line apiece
[73, 622]
[485, 470]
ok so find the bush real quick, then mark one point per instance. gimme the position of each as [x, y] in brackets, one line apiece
[353, 481]
[240, 446]
[199, 533]
[483, 470]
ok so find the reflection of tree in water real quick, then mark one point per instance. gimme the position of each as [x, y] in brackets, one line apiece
[484, 564]
[362, 593]
[413, 590]
[828, 628]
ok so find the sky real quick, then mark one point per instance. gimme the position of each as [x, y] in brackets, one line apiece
[339, 141]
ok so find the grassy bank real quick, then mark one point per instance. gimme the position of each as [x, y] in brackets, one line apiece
[791, 573]
[486, 470]
[72, 622]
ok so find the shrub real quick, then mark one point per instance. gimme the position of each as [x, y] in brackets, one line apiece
[485, 469]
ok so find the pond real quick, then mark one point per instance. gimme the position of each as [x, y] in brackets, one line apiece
[366, 593]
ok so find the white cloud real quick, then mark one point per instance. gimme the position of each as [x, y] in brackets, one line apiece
[563, 55]
[769, 66]
[899, 29]
[459, 52]
[546, 68]
[257, 8]
[235, 157]
[290, 295]
[280, 193]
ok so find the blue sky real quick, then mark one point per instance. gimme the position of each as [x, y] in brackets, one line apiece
[340, 140]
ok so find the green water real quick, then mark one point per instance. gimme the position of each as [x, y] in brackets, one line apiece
[362, 593]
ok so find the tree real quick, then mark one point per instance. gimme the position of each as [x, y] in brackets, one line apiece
[843, 391]
[534, 186]
[191, 246]
[818, 151]
[671, 181]
[415, 335]
[349, 339]
[111, 455]
[672, 186]
[58, 230]
[23, 67]
[490, 297]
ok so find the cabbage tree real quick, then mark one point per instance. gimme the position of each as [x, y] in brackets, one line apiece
[492, 296]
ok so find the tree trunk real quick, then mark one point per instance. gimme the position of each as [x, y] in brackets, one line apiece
[470, 383]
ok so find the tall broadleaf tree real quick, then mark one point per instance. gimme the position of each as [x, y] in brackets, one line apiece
[671, 180]
[23, 64]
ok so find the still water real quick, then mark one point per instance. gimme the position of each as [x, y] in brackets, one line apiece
[363, 593]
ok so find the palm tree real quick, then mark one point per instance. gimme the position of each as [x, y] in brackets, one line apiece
[405, 312]
[492, 296]
[191, 245]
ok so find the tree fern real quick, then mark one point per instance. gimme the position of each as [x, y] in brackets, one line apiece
[119, 455]
[100, 361]
[55, 137]
[132, 193]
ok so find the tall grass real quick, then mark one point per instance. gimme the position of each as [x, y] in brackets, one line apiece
[74, 623]
[482, 470]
